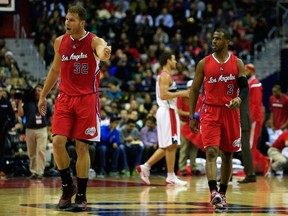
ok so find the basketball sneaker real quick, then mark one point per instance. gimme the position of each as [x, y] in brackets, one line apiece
[144, 173]
[80, 203]
[215, 198]
[175, 181]
[68, 192]
[221, 207]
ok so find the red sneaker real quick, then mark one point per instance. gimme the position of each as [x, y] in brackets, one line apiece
[215, 198]
[221, 207]
[80, 203]
[67, 194]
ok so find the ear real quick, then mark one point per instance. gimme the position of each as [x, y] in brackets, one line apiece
[82, 23]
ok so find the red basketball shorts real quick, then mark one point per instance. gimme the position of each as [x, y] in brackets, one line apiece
[77, 117]
[220, 126]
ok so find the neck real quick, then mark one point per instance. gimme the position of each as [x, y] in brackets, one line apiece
[79, 35]
[221, 56]
[167, 69]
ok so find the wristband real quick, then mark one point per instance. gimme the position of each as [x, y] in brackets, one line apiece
[196, 116]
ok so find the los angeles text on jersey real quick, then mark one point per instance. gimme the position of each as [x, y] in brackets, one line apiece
[74, 56]
[221, 78]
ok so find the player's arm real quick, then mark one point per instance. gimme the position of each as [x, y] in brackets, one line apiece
[194, 94]
[164, 84]
[102, 51]
[196, 85]
[52, 77]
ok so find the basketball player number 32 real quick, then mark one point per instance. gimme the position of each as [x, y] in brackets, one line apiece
[81, 68]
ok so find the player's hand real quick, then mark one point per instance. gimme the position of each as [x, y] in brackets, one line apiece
[107, 51]
[234, 103]
[42, 104]
[185, 93]
[194, 125]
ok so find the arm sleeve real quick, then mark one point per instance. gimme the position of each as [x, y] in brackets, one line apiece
[243, 86]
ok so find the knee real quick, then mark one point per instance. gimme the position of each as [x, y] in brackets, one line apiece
[58, 146]
[211, 152]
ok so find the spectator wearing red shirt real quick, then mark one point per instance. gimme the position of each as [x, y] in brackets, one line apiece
[280, 162]
[278, 108]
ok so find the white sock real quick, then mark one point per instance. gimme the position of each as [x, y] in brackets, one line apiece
[147, 165]
[170, 175]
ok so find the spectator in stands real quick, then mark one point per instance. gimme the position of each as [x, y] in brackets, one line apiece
[278, 102]
[123, 118]
[114, 91]
[109, 147]
[164, 20]
[279, 161]
[131, 146]
[36, 133]
[144, 18]
[7, 121]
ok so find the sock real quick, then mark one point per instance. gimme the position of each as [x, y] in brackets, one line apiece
[147, 165]
[223, 188]
[66, 176]
[170, 175]
[82, 185]
[213, 185]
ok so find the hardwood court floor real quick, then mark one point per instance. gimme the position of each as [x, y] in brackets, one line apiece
[128, 196]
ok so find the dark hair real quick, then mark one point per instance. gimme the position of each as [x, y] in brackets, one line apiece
[226, 33]
[131, 121]
[114, 118]
[151, 118]
[79, 10]
[164, 57]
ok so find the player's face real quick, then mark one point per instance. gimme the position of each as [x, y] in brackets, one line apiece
[73, 24]
[173, 62]
[218, 41]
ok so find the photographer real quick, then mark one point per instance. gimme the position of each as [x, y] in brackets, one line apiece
[7, 121]
[36, 132]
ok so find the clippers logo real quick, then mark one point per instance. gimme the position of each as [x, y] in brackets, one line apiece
[90, 131]
[237, 143]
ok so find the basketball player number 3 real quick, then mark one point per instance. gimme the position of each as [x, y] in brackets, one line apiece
[80, 68]
[230, 89]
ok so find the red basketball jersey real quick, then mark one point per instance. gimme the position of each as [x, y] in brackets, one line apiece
[220, 80]
[79, 73]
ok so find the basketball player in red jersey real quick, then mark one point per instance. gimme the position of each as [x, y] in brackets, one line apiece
[76, 64]
[223, 76]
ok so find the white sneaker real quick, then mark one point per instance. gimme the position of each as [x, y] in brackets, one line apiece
[144, 173]
[175, 181]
